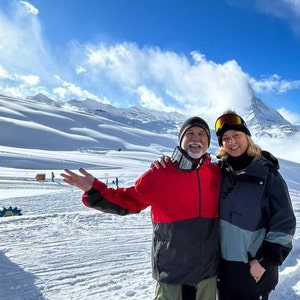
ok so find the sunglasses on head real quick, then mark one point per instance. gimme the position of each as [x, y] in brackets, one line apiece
[229, 119]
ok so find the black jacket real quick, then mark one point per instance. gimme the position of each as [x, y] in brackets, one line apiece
[256, 221]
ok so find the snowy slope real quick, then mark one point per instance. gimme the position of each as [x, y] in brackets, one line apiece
[262, 119]
[59, 249]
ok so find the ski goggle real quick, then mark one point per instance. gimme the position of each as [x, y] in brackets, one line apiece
[230, 119]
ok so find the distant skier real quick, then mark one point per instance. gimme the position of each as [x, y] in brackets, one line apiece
[117, 182]
[52, 176]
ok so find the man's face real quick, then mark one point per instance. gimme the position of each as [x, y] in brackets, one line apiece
[195, 142]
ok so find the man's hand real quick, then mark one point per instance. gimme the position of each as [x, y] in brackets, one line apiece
[161, 161]
[84, 182]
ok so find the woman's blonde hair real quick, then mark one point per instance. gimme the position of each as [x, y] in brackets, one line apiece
[253, 150]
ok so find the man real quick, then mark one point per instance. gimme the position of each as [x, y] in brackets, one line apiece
[184, 208]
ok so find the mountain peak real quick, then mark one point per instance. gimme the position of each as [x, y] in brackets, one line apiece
[264, 120]
[40, 97]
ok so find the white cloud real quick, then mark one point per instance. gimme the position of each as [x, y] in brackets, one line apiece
[30, 8]
[60, 92]
[290, 116]
[190, 83]
[30, 79]
[287, 10]
[23, 50]
[280, 8]
[150, 100]
[287, 148]
[72, 90]
[79, 69]
[274, 84]
[4, 74]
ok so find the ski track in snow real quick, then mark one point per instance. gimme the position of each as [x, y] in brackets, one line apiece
[59, 249]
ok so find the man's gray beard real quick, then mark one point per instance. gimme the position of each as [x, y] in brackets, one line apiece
[195, 155]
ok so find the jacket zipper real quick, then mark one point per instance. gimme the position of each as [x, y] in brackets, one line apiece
[199, 192]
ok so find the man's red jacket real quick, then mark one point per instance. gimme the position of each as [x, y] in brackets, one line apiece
[184, 209]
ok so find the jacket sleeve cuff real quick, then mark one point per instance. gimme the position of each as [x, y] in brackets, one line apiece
[92, 191]
[265, 263]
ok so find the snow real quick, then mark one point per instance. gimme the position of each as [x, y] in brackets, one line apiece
[59, 249]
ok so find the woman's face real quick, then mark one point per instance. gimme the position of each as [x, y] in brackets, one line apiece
[235, 142]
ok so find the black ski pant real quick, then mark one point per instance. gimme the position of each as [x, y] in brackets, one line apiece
[226, 294]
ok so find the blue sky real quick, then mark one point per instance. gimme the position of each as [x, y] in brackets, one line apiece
[196, 57]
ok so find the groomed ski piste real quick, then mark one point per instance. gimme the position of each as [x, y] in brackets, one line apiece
[59, 249]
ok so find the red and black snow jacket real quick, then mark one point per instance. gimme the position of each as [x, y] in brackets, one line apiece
[184, 209]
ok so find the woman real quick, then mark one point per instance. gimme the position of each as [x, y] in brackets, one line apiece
[257, 222]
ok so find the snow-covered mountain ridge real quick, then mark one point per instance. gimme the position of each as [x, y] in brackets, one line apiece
[89, 125]
[136, 116]
[262, 120]
[31, 128]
